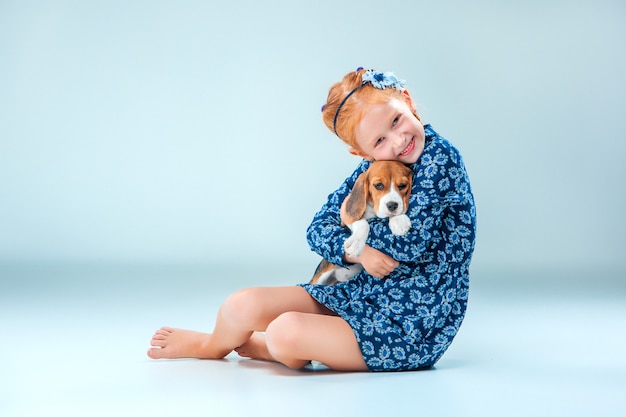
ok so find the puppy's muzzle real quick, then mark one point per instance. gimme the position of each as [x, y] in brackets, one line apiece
[392, 206]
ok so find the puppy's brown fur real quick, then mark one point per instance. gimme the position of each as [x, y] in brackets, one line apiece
[381, 191]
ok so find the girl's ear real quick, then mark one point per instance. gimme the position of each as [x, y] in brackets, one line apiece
[410, 102]
[357, 152]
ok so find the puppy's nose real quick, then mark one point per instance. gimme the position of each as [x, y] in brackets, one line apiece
[392, 206]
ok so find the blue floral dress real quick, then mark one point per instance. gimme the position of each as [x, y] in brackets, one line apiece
[407, 320]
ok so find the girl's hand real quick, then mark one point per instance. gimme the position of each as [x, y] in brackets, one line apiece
[376, 263]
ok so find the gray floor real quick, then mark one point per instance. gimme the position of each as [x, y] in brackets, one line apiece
[74, 342]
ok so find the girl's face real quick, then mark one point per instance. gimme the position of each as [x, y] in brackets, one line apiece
[390, 132]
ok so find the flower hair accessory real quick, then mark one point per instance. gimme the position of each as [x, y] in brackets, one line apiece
[380, 80]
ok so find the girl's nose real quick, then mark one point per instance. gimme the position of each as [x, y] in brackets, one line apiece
[397, 140]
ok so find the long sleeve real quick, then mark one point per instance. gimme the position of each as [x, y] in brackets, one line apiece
[408, 319]
[325, 234]
[441, 209]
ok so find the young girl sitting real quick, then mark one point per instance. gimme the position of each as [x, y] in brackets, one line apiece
[404, 309]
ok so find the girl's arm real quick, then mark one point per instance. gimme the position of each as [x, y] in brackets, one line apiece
[326, 234]
[441, 204]
[375, 262]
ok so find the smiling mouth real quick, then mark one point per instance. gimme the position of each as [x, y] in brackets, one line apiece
[408, 148]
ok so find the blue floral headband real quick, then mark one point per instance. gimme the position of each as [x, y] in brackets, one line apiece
[380, 80]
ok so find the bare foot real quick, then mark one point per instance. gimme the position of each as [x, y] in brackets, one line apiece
[178, 343]
[255, 348]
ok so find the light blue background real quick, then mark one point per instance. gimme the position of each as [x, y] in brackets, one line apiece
[156, 156]
[189, 132]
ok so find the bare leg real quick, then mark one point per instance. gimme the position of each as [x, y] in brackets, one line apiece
[255, 348]
[241, 314]
[296, 338]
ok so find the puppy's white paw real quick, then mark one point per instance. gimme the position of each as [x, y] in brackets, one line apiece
[354, 246]
[400, 225]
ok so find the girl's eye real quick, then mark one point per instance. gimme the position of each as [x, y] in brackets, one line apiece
[379, 141]
[395, 121]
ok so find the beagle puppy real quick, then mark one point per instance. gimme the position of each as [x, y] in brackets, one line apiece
[381, 191]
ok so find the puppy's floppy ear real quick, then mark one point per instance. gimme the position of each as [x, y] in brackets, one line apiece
[357, 203]
[407, 196]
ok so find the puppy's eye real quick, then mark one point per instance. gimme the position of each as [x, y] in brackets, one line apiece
[401, 186]
[379, 186]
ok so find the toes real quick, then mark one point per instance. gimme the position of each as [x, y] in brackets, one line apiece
[164, 331]
[155, 353]
[242, 353]
[161, 335]
[159, 339]
[157, 342]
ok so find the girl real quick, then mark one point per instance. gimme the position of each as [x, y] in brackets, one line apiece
[404, 309]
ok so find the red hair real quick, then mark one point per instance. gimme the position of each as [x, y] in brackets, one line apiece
[351, 112]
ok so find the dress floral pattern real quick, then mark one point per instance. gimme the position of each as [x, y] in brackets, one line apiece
[407, 320]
